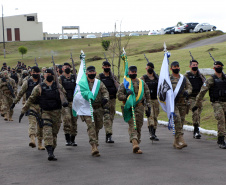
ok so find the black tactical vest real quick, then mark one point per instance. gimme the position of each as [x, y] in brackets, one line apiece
[152, 85]
[196, 82]
[218, 91]
[110, 85]
[69, 86]
[14, 76]
[19, 69]
[30, 86]
[50, 97]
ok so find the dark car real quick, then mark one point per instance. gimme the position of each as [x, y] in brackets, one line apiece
[169, 30]
[189, 27]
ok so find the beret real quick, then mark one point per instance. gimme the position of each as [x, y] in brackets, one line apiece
[175, 63]
[150, 64]
[218, 63]
[91, 68]
[106, 63]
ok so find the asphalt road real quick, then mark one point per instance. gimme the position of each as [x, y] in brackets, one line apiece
[202, 162]
[213, 40]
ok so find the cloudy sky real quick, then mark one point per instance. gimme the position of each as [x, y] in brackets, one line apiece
[101, 15]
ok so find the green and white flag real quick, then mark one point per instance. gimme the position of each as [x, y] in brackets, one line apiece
[83, 97]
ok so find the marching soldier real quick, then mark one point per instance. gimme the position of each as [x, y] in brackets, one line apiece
[68, 81]
[4, 67]
[109, 82]
[139, 86]
[15, 76]
[34, 111]
[25, 76]
[48, 96]
[8, 89]
[151, 79]
[196, 79]
[101, 100]
[19, 68]
[216, 84]
[184, 88]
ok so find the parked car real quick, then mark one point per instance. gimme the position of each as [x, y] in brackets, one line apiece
[61, 37]
[134, 34]
[154, 32]
[91, 36]
[204, 27]
[105, 35]
[178, 29]
[75, 37]
[118, 35]
[169, 30]
[189, 27]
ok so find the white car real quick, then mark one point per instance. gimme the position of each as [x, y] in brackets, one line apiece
[204, 27]
[134, 34]
[118, 35]
[75, 37]
[91, 36]
[61, 37]
[179, 29]
[154, 32]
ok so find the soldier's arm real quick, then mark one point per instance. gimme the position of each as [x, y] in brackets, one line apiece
[63, 90]
[98, 76]
[116, 78]
[104, 91]
[60, 81]
[121, 94]
[205, 87]
[34, 95]
[147, 95]
[142, 78]
[188, 86]
[21, 93]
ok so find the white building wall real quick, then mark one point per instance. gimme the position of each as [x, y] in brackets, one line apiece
[29, 30]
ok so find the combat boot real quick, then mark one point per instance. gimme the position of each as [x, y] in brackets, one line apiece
[136, 148]
[95, 151]
[6, 117]
[10, 118]
[73, 143]
[182, 142]
[50, 150]
[151, 131]
[40, 147]
[68, 139]
[109, 139]
[179, 142]
[32, 143]
[221, 142]
[196, 133]
[156, 138]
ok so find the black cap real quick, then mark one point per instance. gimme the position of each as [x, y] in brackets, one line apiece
[150, 64]
[175, 63]
[106, 63]
[218, 63]
[194, 61]
[4, 64]
[35, 69]
[18, 61]
[133, 68]
[67, 64]
[60, 66]
[49, 71]
[90, 69]
[9, 67]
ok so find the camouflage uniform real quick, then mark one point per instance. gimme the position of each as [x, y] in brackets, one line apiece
[52, 119]
[180, 107]
[33, 123]
[7, 99]
[138, 110]
[98, 111]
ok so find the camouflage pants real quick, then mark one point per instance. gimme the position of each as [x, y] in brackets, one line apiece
[220, 115]
[179, 118]
[24, 98]
[153, 119]
[94, 128]
[7, 102]
[139, 116]
[51, 126]
[0, 102]
[109, 114]
[196, 114]
[69, 121]
[33, 123]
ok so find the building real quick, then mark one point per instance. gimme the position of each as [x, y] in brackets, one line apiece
[21, 28]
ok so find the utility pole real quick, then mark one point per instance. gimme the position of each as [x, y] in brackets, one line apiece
[3, 33]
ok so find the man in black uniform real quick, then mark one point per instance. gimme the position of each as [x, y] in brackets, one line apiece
[4, 67]
[15, 76]
[68, 81]
[107, 79]
[19, 68]
[151, 79]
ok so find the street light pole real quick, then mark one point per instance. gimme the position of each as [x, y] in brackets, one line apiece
[3, 33]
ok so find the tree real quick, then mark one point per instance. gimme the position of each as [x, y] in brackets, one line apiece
[179, 23]
[22, 50]
[105, 44]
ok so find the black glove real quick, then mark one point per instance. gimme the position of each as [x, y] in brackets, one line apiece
[185, 94]
[129, 92]
[3, 80]
[12, 106]
[21, 116]
[65, 104]
[194, 108]
[148, 112]
[104, 102]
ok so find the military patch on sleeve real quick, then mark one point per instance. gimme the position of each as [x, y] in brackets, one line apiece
[204, 84]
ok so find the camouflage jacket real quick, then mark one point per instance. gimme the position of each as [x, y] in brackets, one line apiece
[4, 88]
[146, 96]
